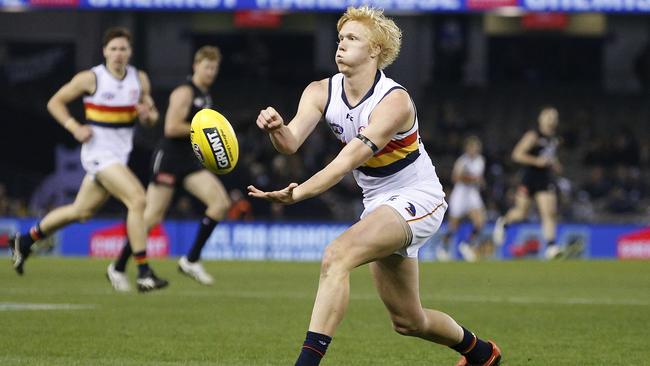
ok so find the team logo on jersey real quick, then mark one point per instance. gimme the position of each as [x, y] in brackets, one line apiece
[348, 116]
[393, 198]
[336, 128]
[361, 128]
[410, 209]
[108, 96]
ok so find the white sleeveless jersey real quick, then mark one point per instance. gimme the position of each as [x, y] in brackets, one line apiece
[466, 197]
[470, 166]
[402, 163]
[111, 113]
[114, 100]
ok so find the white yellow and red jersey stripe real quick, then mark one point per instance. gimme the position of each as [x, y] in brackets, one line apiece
[113, 104]
[403, 162]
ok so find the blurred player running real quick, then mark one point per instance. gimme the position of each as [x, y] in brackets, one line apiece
[537, 152]
[465, 200]
[174, 164]
[116, 94]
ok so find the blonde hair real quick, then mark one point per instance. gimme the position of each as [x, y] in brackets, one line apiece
[211, 53]
[384, 33]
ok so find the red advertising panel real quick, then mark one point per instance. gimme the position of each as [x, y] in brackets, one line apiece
[489, 4]
[257, 19]
[55, 3]
[635, 245]
[545, 21]
[107, 242]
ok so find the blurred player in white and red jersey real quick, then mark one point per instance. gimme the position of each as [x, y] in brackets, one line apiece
[116, 94]
[465, 200]
[375, 118]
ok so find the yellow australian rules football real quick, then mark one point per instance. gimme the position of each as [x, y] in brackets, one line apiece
[214, 141]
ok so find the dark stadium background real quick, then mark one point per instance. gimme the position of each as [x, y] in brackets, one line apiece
[470, 71]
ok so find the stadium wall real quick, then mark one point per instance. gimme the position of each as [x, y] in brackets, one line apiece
[304, 241]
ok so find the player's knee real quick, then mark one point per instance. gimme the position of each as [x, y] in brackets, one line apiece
[152, 220]
[332, 260]
[136, 203]
[406, 327]
[217, 210]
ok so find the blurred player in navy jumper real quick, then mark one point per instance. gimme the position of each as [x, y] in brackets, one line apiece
[536, 151]
[174, 164]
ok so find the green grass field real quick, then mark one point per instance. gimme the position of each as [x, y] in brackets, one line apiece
[559, 313]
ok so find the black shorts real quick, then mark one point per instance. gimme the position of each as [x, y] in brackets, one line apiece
[172, 162]
[533, 181]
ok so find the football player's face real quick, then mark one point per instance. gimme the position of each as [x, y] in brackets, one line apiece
[206, 71]
[354, 45]
[548, 120]
[473, 148]
[117, 52]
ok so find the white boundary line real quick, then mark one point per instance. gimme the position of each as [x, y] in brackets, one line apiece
[251, 294]
[16, 306]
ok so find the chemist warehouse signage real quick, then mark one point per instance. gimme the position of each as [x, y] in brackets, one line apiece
[419, 6]
[288, 5]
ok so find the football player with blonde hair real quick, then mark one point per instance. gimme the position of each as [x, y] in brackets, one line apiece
[375, 119]
[173, 164]
[115, 95]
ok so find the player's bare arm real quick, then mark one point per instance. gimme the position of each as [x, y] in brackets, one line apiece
[288, 138]
[457, 172]
[395, 113]
[457, 175]
[521, 155]
[180, 102]
[147, 111]
[82, 83]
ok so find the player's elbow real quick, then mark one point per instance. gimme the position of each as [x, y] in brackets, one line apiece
[52, 104]
[285, 149]
[288, 151]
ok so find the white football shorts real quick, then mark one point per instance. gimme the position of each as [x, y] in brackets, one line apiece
[107, 146]
[463, 200]
[422, 210]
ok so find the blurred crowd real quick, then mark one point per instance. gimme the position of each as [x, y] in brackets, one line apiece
[606, 159]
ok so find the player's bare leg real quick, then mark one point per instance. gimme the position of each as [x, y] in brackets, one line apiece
[120, 181]
[376, 236]
[547, 205]
[443, 251]
[158, 198]
[91, 196]
[209, 190]
[469, 248]
[396, 280]
[517, 213]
